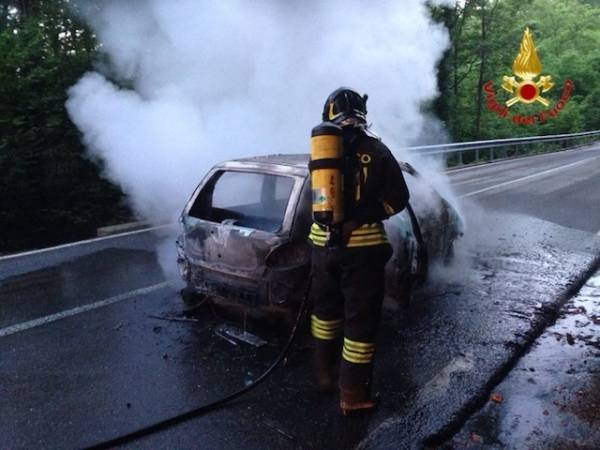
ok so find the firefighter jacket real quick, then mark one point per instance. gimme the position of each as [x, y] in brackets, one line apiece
[374, 189]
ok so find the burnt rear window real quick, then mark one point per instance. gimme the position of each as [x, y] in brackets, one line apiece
[247, 199]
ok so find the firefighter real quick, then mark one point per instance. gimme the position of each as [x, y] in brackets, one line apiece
[348, 259]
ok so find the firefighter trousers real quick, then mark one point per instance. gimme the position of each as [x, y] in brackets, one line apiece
[347, 293]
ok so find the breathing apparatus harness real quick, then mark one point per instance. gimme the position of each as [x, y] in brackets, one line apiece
[343, 108]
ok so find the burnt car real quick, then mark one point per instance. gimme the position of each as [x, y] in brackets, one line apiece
[244, 235]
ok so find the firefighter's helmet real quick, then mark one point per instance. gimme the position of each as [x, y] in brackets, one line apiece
[345, 106]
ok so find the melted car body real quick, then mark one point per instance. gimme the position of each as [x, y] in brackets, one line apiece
[244, 234]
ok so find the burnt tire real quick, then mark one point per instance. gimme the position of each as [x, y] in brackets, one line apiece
[404, 289]
[449, 255]
[191, 299]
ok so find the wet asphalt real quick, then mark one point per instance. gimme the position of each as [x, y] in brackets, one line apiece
[551, 399]
[99, 373]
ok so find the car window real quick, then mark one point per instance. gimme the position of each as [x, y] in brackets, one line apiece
[248, 199]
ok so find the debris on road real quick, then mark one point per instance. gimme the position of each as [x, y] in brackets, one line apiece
[222, 336]
[477, 439]
[497, 398]
[242, 335]
[279, 430]
[174, 318]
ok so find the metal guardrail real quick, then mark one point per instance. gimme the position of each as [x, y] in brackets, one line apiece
[485, 151]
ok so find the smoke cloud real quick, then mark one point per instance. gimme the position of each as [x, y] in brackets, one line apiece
[209, 81]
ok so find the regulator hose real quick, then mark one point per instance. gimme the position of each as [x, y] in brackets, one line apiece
[163, 424]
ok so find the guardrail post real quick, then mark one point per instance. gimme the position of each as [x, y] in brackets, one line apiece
[491, 153]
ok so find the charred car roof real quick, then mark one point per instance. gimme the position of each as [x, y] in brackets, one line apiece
[296, 164]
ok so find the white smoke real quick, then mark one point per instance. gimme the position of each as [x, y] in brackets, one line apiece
[214, 80]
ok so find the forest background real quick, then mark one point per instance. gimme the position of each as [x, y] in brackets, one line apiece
[52, 192]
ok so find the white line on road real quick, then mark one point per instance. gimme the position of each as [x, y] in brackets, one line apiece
[528, 177]
[78, 310]
[473, 180]
[87, 241]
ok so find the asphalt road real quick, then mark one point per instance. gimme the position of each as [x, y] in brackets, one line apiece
[83, 357]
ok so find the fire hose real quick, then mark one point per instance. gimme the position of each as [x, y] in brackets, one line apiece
[167, 423]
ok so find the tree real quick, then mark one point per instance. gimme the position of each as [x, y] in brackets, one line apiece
[49, 191]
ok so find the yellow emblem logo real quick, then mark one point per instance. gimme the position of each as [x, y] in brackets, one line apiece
[527, 67]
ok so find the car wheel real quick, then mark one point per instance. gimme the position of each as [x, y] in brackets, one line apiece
[191, 299]
[449, 256]
[404, 289]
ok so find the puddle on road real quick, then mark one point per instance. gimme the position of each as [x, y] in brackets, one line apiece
[439, 384]
[551, 399]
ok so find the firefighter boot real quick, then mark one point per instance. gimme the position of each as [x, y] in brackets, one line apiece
[355, 395]
[324, 358]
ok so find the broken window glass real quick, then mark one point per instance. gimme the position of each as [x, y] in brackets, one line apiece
[246, 199]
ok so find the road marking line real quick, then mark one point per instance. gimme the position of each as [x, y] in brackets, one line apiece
[87, 241]
[528, 177]
[472, 180]
[12, 329]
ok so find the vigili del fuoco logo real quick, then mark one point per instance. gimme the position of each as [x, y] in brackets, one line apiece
[525, 89]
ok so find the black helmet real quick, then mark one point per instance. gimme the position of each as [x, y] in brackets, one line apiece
[345, 103]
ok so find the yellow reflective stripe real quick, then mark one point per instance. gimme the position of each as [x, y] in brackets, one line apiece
[358, 352]
[364, 236]
[329, 324]
[333, 331]
[325, 329]
[368, 233]
[316, 231]
[317, 235]
[369, 229]
[368, 238]
[325, 336]
[318, 243]
[358, 346]
[388, 209]
[368, 244]
[356, 358]
[371, 226]
[374, 225]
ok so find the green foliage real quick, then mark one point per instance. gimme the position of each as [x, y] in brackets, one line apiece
[49, 191]
[485, 38]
